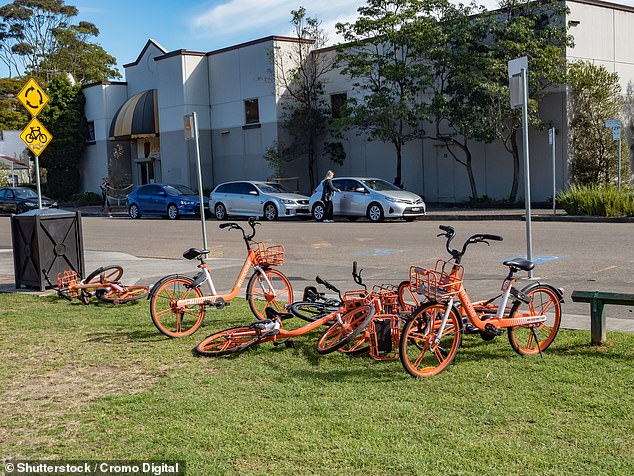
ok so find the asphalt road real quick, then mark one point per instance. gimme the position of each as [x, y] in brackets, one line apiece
[571, 255]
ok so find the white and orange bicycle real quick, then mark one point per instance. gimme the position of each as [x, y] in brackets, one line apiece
[178, 305]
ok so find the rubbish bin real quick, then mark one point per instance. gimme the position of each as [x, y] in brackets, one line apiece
[46, 240]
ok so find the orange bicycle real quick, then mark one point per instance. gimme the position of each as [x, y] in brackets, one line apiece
[103, 283]
[432, 335]
[346, 323]
[178, 305]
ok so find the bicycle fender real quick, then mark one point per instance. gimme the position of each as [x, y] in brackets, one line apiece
[158, 284]
[427, 303]
[558, 292]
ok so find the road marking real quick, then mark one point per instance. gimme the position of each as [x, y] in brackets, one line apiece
[377, 252]
[323, 244]
[605, 269]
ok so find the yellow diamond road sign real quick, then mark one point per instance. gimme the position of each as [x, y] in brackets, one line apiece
[33, 97]
[36, 137]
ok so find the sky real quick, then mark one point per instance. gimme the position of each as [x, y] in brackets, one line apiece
[204, 25]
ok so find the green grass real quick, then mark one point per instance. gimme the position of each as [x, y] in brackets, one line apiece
[605, 201]
[98, 381]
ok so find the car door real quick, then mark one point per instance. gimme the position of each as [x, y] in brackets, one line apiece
[249, 199]
[10, 201]
[229, 197]
[338, 197]
[144, 196]
[3, 205]
[343, 197]
[358, 198]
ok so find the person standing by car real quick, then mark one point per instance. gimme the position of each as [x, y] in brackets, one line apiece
[326, 196]
[105, 202]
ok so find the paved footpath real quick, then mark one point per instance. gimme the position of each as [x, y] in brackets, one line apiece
[575, 254]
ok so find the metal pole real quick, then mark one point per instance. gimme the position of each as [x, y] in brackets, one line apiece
[619, 180]
[552, 135]
[527, 175]
[37, 181]
[200, 180]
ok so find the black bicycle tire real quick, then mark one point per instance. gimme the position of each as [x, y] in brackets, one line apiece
[339, 344]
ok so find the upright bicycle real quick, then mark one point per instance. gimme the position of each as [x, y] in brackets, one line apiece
[432, 335]
[178, 304]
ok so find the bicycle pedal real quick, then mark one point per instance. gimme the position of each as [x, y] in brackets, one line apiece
[492, 330]
[470, 329]
[220, 303]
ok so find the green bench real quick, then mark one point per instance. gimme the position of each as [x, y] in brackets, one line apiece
[598, 300]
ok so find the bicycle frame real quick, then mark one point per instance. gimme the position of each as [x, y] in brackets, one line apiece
[214, 296]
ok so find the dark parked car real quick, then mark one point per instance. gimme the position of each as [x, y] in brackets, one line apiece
[172, 201]
[22, 199]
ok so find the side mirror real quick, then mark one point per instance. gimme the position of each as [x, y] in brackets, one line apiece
[254, 193]
[360, 190]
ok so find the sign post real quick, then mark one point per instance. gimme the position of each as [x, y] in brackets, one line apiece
[191, 133]
[519, 97]
[35, 135]
[551, 141]
[615, 125]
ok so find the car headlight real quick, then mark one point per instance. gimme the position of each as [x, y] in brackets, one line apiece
[396, 200]
[288, 202]
[187, 202]
[30, 204]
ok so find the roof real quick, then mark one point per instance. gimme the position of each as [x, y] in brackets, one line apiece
[17, 163]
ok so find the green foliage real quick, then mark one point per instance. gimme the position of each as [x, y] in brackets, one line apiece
[594, 98]
[86, 198]
[5, 175]
[277, 155]
[37, 37]
[13, 116]
[64, 117]
[335, 152]
[595, 200]
[380, 56]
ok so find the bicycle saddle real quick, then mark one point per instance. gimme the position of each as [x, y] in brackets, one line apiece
[273, 314]
[194, 253]
[519, 263]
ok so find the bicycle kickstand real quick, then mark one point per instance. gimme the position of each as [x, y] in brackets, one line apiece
[534, 331]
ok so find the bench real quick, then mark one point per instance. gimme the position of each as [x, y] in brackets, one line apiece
[598, 300]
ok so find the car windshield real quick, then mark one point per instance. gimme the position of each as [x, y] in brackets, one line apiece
[25, 193]
[272, 188]
[379, 185]
[175, 190]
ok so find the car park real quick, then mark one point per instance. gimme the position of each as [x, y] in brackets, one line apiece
[22, 199]
[171, 201]
[269, 200]
[369, 197]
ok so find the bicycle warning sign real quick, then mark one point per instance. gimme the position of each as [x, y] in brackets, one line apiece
[33, 97]
[35, 136]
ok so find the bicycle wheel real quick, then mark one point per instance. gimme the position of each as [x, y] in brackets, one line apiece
[170, 319]
[357, 346]
[105, 274]
[261, 296]
[408, 300]
[129, 294]
[544, 301]
[346, 330]
[310, 311]
[420, 354]
[229, 341]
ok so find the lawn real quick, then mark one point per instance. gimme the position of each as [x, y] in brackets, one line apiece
[99, 382]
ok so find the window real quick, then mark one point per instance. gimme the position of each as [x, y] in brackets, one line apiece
[337, 101]
[251, 111]
[3, 194]
[91, 132]
[246, 188]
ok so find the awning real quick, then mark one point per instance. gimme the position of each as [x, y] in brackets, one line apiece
[136, 118]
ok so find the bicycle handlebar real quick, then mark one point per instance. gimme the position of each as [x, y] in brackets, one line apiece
[478, 238]
[252, 221]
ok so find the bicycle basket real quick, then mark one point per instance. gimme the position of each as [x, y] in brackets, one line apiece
[440, 283]
[352, 299]
[270, 256]
[66, 280]
[388, 297]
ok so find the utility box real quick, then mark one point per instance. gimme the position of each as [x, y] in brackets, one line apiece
[46, 241]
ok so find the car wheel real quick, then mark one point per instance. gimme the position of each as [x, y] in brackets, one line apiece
[409, 218]
[134, 212]
[220, 211]
[319, 212]
[375, 212]
[270, 211]
[20, 208]
[172, 211]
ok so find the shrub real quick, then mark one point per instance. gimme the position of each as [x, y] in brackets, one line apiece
[86, 198]
[595, 200]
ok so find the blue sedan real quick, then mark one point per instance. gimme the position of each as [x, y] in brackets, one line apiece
[172, 201]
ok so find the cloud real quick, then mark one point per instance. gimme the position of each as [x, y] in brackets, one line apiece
[239, 16]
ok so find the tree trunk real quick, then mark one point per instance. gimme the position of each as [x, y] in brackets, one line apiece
[311, 162]
[516, 167]
[399, 160]
[472, 182]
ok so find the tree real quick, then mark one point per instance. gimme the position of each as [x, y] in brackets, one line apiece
[300, 73]
[39, 35]
[523, 28]
[64, 117]
[75, 54]
[12, 115]
[457, 96]
[594, 98]
[277, 155]
[380, 57]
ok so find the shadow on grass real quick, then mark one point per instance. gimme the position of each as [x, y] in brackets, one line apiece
[122, 337]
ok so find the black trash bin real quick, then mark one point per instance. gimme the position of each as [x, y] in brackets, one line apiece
[46, 240]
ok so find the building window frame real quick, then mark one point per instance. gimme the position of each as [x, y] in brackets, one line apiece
[90, 133]
[251, 111]
[337, 101]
